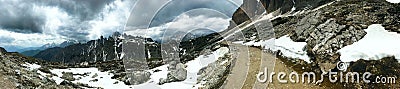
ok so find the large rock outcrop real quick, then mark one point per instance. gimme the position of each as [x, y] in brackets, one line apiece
[330, 28]
[177, 73]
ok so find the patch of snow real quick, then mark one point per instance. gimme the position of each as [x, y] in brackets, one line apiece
[238, 42]
[104, 78]
[122, 55]
[322, 6]
[249, 43]
[393, 1]
[287, 46]
[148, 53]
[203, 60]
[193, 68]
[253, 37]
[42, 75]
[223, 62]
[58, 80]
[291, 49]
[155, 76]
[31, 66]
[376, 44]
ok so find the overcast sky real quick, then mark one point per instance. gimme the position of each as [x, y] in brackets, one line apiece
[32, 23]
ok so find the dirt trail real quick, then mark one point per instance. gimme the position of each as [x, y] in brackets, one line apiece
[280, 66]
[267, 61]
[237, 76]
[5, 83]
[249, 62]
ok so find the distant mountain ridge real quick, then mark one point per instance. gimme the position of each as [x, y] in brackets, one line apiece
[100, 49]
[35, 50]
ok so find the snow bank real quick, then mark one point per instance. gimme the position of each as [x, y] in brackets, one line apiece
[193, 68]
[105, 81]
[376, 44]
[104, 78]
[203, 60]
[287, 46]
[291, 49]
[31, 66]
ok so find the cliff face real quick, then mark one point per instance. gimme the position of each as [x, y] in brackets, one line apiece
[95, 50]
[252, 8]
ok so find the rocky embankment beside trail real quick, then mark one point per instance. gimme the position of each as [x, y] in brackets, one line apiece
[330, 26]
[18, 71]
[339, 24]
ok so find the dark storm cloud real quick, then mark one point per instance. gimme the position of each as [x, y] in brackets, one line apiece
[18, 17]
[21, 16]
[33, 23]
[89, 19]
[177, 7]
[73, 19]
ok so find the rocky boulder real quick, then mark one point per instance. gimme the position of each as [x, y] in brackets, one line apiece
[68, 76]
[214, 74]
[2, 51]
[179, 73]
[139, 77]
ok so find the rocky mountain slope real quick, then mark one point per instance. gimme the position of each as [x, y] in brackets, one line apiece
[253, 8]
[103, 49]
[328, 27]
[17, 71]
[95, 50]
[35, 50]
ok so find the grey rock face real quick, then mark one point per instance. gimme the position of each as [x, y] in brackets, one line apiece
[337, 25]
[68, 76]
[2, 51]
[324, 36]
[330, 37]
[179, 73]
[214, 74]
[139, 77]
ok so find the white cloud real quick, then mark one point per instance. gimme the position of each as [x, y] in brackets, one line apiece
[57, 24]
[29, 40]
[183, 23]
[114, 17]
